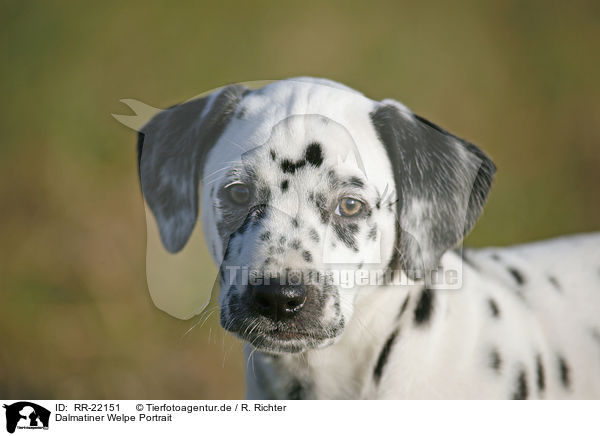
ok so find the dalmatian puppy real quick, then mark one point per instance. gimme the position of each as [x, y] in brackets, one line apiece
[304, 181]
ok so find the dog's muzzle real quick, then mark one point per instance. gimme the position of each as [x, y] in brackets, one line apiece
[282, 317]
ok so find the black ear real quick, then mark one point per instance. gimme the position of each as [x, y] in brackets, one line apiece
[442, 182]
[172, 149]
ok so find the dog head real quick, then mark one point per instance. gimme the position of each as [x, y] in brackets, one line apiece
[301, 180]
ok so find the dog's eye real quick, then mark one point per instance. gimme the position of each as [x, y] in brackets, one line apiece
[238, 193]
[349, 207]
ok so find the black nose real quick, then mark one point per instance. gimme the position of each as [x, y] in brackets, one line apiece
[277, 301]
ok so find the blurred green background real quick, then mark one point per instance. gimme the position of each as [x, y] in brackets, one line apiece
[520, 79]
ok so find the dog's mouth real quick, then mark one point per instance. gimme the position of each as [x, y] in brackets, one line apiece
[287, 335]
[286, 341]
[283, 339]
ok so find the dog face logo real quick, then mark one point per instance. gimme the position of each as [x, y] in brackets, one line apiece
[26, 415]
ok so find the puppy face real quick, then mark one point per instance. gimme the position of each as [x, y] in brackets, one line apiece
[302, 181]
[289, 215]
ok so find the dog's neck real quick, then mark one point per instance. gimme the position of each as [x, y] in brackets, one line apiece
[339, 370]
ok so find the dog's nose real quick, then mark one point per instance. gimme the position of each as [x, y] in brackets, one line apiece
[277, 301]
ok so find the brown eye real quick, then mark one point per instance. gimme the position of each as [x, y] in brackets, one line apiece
[238, 193]
[349, 207]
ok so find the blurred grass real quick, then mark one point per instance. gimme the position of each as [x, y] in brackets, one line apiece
[520, 79]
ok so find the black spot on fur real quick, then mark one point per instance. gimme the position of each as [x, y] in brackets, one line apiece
[295, 244]
[555, 283]
[494, 308]
[345, 234]
[424, 307]
[273, 155]
[314, 154]
[372, 235]
[290, 167]
[384, 355]
[265, 236]
[495, 256]
[282, 240]
[539, 373]
[307, 256]
[285, 185]
[295, 223]
[314, 235]
[517, 275]
[521, 391]
[403, 307]
[287, 166]
[495, 360]
[320, 202]
[565, 372]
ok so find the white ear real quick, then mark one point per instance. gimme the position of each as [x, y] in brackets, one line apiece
[172, 149]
